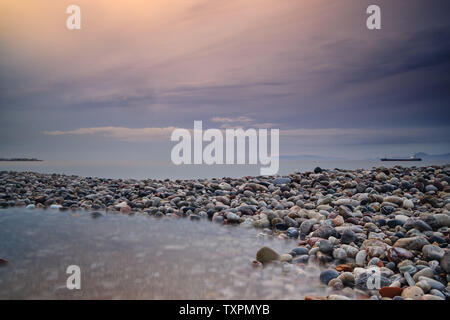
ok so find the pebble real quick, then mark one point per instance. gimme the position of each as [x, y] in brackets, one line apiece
[380, 217]
[434, 284]
[348, 236]
[286, 257]
[425, 272]
[292, 232]
[397, 254]
[390, 292]
[437, 293]
[266, 255]
[361, 258]
[299, 251]
[327, 275]
[412, 243]
[445, 262]
[339, 254]
[414, 293]
[409, 279]
[279, 181]
[431, 297]
[337, 297]
[431, 252]
[424, 285]
[325, 246]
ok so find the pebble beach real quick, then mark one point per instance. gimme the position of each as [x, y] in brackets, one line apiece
[375, 234]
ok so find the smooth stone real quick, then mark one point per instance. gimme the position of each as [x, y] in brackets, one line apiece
[413, 243]
[351, 251]
[422, 226]
[290, 222]
[374, 262]
[431, 252]
[408, 204]
[401, 217]
[299, 251]
[381, 176]
[397, 254]
[286, 257]
[390, 292]
[431, 297]
[325, 246]
[339, 254]
[324, 200]
[327, 275]
[225, 186]
[442, 219]
[324, 232]
[445, 262]
[424, 285]
[337, 297]
[318, 170]
[336, 284]
[266, 255]
[292, 232]
[348, 236]
[390, 265]
[425, 272]
[360, 259]
[411, 269]
[437, 293]
[433, 283]
[279, 181]
[233, 218]
[409, 279]
[262, 223]
[306, 226]
[303, 259]
[414, 293]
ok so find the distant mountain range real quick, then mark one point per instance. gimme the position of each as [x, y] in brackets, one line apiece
[309, 157]
[19, 159]
[424, 155]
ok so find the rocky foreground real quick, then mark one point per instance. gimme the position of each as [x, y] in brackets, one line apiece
[378, 234]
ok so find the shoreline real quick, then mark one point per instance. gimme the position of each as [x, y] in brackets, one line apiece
[392, 221]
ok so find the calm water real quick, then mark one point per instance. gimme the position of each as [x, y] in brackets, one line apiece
[139, 257]
[144, 170]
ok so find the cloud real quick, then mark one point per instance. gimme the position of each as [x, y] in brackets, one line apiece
[363, 136]
[301, 136]
[120, 133]
[241, 119]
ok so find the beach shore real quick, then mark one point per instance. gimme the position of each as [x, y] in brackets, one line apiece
[378, 234]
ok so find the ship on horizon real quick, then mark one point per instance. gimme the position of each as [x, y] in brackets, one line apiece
[411, 158]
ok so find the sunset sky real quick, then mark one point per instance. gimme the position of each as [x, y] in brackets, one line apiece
[139, 68]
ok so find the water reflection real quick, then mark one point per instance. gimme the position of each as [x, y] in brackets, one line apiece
[139, 257]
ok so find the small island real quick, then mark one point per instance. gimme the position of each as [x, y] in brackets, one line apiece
[20, 159]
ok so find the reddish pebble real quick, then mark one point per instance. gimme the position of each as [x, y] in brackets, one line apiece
[125, 210]
[344, 267]
[390, 292]
[315, 298]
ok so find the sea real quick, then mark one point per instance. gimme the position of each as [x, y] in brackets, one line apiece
[160, 171]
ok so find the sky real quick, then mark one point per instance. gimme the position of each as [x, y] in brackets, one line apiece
[137, 69]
